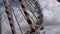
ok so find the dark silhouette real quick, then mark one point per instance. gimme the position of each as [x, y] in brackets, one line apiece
[58, 0]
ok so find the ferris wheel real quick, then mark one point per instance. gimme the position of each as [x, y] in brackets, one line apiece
[26, 15]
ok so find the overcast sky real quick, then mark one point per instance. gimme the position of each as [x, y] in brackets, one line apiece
[51, 11]
[52, 16]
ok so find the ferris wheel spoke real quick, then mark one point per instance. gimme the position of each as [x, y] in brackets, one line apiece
[30, 10]
[29, 1]
[17, 21]
[9, 14]
[32, 27]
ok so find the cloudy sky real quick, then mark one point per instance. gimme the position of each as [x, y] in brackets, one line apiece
[52, 16]
[51, 11]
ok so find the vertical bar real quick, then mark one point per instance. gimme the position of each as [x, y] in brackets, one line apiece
[27, 17]
[30, 8]
[39, 12]
[17, 21]
[9, 14]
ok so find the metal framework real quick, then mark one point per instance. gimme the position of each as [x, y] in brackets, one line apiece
[39, 12]
[9, 15]
[24, 5]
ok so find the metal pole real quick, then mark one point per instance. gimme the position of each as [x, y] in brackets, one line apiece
[9, 15]
[39, 12]
[27, 17]
[17, 20]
